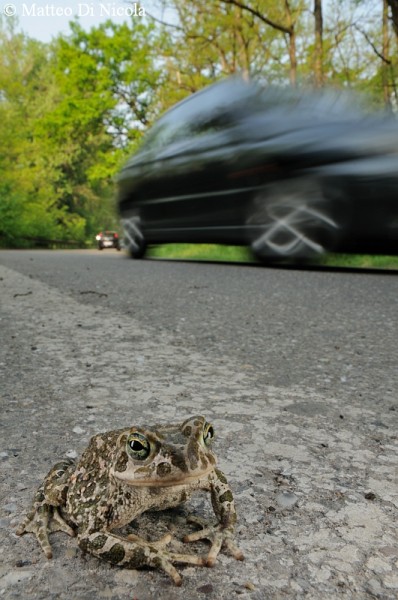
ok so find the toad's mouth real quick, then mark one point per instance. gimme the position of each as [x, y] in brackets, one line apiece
[155, 480]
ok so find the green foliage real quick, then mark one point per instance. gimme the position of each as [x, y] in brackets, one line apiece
[69, 113]
[27, 204]
[106, 83]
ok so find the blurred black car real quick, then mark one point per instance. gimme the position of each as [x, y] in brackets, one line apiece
[293, 174]
[108, 239]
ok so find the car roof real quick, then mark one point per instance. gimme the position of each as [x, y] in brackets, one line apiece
[235, 94]
[214, 96]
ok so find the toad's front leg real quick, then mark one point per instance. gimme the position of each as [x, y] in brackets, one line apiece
[133, 552]
[221, 534]
[45, 515]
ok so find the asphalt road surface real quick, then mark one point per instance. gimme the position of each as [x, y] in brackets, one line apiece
[297, 369]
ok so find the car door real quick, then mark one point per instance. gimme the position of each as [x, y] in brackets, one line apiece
[196, 191]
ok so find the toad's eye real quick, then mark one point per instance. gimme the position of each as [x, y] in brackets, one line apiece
[208, 434]
[138, 446]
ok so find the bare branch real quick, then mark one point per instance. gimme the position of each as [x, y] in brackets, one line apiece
[257, 14]
[171, 25]
[367, 38]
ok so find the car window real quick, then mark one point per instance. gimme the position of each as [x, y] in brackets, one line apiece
[165, 134]
[170, 133]
[212, 124]
[196, 116]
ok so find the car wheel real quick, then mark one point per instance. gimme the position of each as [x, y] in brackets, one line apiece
[292, 220]
[134, 240]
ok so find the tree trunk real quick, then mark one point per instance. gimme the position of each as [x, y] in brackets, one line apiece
[292, 45]
[386, 62]
[318, 58]
[394, 11]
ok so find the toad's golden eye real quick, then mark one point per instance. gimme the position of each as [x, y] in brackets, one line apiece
[208, 434]
[138, 446]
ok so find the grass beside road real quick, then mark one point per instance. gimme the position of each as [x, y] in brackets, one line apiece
[360, 261]
[215, 252]
[202, 252]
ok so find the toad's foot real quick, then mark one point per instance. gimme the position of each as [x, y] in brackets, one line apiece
[218, 535]
[160, 544]
[41, 521]
[162, 559]
[134, 552]
[167, 558]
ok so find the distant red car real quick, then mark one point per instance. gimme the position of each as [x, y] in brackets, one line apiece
[108, 239]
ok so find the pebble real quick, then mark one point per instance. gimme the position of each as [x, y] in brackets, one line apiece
[250, 586]
[374, 587]
[78, 430]
[370, 496]
[16, 577]
[206, 589]
[286, 500]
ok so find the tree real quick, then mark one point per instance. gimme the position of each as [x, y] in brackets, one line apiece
[285, 24]
[28, 204]
[70, 112]
[107, 80]
[207, 41]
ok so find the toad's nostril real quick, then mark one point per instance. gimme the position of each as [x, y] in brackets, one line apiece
[163, 469]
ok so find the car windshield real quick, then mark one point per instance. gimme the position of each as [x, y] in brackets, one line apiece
[198, 112]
